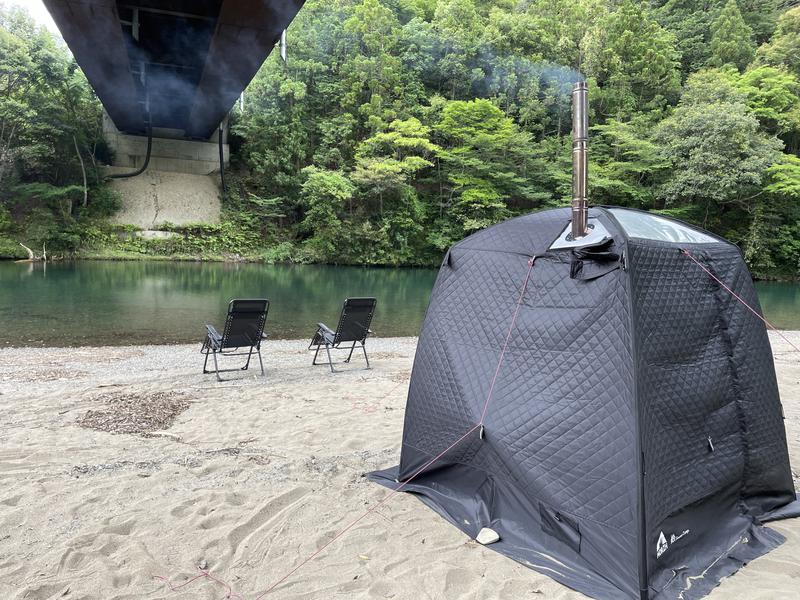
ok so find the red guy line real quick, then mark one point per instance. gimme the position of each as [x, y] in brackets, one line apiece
[372, 509]
[440, 455]
[206, 575]
[740, 299]
[508, 338]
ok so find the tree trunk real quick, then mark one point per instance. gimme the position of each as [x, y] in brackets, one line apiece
[5, 148]
[83, 172]
[441, 186]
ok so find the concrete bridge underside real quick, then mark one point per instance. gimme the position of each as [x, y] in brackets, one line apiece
[171, 70]
[183, 63]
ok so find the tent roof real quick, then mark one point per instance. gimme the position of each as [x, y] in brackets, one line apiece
[534, 233]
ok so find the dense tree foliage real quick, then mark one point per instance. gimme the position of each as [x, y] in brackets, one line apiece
[731, 38]
[50, 140]
[399, 126]
[688, 118]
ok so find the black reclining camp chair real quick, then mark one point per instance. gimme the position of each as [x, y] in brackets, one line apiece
[244, 329]
[353, 327]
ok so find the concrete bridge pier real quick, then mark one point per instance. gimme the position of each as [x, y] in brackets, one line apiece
[181, 184]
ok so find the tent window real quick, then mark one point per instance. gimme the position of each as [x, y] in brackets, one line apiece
[652, 227]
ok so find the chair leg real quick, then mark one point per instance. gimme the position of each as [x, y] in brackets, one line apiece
[313, 339]
[349, 356]
[249, 355]
[330, 360]
[260, 362]
[205, 364]
[216, 367]
[314, 360]
[364, 348]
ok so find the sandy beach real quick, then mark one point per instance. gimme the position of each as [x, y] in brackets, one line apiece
[119, 465]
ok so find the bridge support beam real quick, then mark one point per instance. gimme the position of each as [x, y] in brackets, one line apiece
[171, 152]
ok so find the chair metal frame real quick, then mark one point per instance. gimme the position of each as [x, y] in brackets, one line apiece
[332, 340]
[217, 344]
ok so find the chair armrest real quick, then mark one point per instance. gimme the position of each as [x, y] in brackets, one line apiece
[213, 334]
[325, 328]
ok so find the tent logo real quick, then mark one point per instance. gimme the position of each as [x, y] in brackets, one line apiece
[662, 545]
[674, 538]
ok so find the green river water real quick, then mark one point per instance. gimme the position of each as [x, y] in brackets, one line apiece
[120, 303]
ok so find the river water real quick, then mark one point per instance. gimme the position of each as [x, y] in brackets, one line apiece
[119, 303]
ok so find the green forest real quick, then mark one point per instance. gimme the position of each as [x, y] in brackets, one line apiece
[397, 127]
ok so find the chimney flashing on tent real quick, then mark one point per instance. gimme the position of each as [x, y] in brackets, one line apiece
[596, 234]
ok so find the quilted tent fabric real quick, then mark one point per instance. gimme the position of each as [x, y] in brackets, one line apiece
[633, 439]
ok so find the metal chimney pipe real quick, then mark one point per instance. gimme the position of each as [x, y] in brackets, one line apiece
[580, 159]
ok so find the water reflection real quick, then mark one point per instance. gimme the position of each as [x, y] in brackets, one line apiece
[105, 302]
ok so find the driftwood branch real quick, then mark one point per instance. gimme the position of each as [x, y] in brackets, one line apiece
[31, 256]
